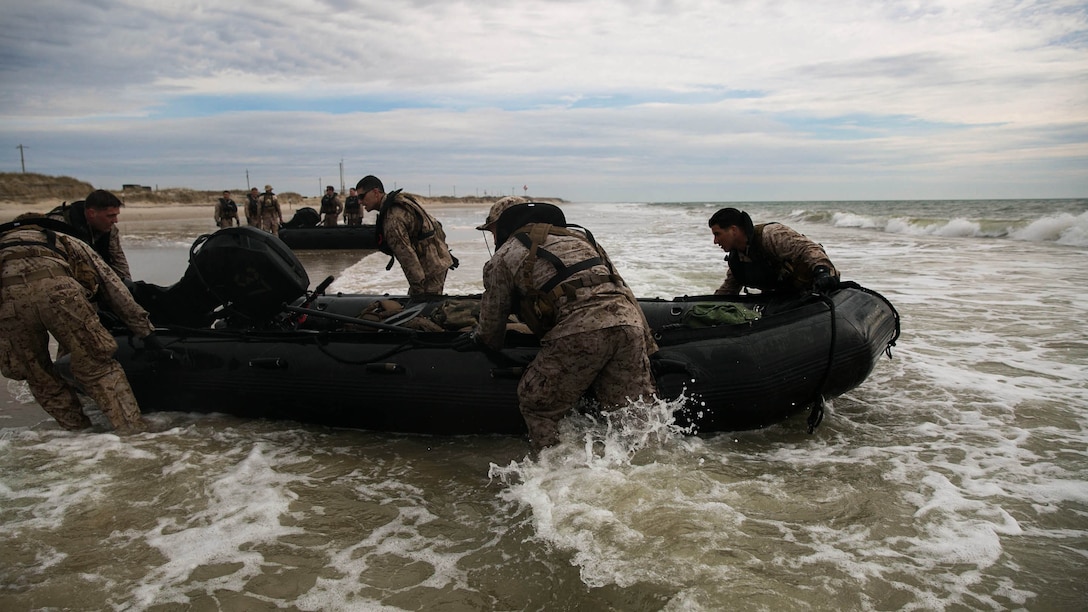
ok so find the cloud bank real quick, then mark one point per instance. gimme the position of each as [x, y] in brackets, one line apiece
[592, 101]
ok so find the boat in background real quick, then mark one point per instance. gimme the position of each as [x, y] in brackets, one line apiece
[302, 232]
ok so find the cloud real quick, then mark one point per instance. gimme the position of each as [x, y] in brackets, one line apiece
[605, 100]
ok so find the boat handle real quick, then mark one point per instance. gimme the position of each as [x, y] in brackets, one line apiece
[268, 363]
[385, 368]
[507, 372]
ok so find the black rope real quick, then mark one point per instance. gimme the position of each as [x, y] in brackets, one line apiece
[816, 415]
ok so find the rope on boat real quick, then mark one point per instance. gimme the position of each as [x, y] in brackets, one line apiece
[816, 415]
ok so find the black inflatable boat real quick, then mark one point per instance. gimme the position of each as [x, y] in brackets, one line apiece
[248, 338]
[302, 232]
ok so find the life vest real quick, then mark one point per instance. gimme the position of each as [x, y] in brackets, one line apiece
[328, 204]
[83, 271]
[230, 209]
[538, 307]
[50, 242]
[765, 272]
[268, 202]
[253, 205]
[75, 215]
[351, 204]
[428, 225]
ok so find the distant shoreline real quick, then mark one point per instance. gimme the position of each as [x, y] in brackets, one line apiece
[142, 210]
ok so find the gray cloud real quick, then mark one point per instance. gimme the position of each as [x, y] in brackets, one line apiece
[594, 100]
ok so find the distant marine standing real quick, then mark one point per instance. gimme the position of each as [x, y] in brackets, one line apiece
[226, 211]
[253, 207]
[330, 207]
[353, 215]
[270, 214]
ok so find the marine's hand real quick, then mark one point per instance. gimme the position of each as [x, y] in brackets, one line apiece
[822, 281]
[153, 342]
[155, 350]
[467, 341]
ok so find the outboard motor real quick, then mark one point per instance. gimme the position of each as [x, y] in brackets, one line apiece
[304, 217]
[247, 271]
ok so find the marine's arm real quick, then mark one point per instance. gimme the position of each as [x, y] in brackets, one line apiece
[117, 254]
[495, 303]
[91, 271]
[790, 245]
[398, 236]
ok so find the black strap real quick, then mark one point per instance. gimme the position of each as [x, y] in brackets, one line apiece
[562, 271]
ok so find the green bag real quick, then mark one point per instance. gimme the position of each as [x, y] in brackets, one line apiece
[711, 315]
[456, 315]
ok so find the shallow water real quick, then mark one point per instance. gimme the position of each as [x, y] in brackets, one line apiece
[956, 477]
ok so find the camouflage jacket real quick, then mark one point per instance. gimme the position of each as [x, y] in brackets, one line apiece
[594, 307]
[414, 237]
[31, 250]
[788, 254]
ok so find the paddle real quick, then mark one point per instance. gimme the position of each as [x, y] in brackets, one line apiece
[347, 319]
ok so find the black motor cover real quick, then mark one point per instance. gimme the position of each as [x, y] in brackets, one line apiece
[304, 217]
[249, 269]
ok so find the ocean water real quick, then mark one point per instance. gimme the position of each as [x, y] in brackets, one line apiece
[954, 478]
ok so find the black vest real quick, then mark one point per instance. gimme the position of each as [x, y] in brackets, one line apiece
[75, 215]
[426, 226]
[764, 272]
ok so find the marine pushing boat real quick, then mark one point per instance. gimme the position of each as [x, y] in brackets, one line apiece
[247, 336]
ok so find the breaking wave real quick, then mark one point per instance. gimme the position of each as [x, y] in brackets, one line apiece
[1062, 228]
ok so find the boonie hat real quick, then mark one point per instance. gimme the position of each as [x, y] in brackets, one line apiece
[497, 209]
[268, 187]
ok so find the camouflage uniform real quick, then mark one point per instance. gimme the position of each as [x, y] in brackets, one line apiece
[600, 340]
[791, 253]
[270, 217]
[425, 260]
[107, 245]
[48, 292]
[253, 208]
[226, 213]
[353, 213]
[330, 209]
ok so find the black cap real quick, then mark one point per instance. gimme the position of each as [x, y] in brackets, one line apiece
[369, 182]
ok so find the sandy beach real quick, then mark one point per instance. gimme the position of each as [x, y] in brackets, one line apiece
[136, 211]
[130, 212]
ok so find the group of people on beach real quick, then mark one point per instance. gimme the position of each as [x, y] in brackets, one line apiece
[262, 210]
[559, 281]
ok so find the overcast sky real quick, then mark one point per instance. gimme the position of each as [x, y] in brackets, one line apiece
[624, 100]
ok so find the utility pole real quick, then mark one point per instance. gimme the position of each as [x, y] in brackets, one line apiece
[22, 161]
[247, 179]
[342, 176]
